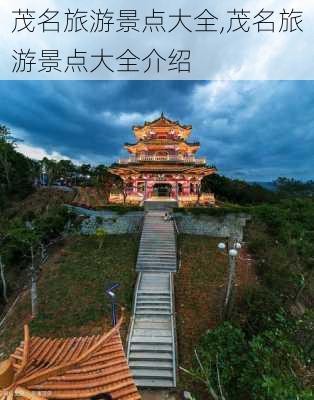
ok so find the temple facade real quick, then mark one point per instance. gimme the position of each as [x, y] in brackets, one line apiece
[163, 165]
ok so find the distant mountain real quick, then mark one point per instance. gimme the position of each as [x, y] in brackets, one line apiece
[267, 185]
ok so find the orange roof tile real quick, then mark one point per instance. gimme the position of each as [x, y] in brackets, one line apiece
[73, 368]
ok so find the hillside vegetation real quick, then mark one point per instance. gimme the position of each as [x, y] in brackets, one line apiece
[71, 290]
[266, 350]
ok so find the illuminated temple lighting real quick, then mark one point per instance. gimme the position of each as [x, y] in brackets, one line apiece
[162, 164]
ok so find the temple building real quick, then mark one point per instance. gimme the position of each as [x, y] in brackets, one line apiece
[163, 165]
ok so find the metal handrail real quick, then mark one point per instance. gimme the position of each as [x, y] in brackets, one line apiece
[131, 325]
[174, 332]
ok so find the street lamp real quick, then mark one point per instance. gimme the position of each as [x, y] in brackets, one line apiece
[232, 249]
[112, 296]
[233, 252]
[221, 246]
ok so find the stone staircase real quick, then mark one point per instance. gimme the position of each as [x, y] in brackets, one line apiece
[152, 344]
[157, 250]
[160, 205]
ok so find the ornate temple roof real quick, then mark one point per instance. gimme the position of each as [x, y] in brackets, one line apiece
[157, 144]
[136, 170]
[73, 368]
[162, 147]
[162, 124]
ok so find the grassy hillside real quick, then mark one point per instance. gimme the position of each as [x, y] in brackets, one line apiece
[199, 291]
[72, 289]
[266, 349]
[38, 202]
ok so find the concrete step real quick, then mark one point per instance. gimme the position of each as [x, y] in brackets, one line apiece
[152, 332]
[152, 313]
[152, 325]
[158, 236]
[145, 356]
[152, 301]
[157, 253]
[150, 348]
[156, 264]
[153, 307]
[148, 302]
[157, 245]
[157, 259]
[156, 383]
[151, 340]
[156, 269]
[151, 373]
[155, 364]
[144, 317]
[157, 250]
[145, 292]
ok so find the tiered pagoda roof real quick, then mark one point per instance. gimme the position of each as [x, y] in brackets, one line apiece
[162, 147]
[162, 124]
[162, 132]
[73, 368]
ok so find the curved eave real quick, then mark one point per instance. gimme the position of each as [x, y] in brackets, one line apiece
[137, 169]
[141, 133]
[123, 171]
[204, 171]
[134, 148]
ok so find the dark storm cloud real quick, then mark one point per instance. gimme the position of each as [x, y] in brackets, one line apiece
[255, 130]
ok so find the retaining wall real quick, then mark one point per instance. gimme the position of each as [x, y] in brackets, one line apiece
[112, 222]
[230, 225]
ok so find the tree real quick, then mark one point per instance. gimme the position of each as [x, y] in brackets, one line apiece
[29, 238]
[6, 147]
[85, 169]
[65, 169]
[287, 187]
[101, 173]
[124, 186]
[16, 170]
[237, 191]
[3, 256]
[101, 236]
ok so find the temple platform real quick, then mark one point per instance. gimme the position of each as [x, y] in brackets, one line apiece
[160, 204]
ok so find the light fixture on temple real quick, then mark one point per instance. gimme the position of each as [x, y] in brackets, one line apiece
[166, 160]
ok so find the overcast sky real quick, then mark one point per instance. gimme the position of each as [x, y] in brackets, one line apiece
[253, 130]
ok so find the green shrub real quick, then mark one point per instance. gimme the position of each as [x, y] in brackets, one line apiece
[213, 211]
[265, 367]
[260, 307]
[99, 220]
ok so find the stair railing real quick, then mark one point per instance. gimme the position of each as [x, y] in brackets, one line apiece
[177, 232]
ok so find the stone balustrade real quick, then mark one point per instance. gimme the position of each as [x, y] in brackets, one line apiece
[185, 160]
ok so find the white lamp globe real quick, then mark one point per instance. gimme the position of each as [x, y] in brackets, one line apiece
[233, 252]
[221, 246]
[237, 245]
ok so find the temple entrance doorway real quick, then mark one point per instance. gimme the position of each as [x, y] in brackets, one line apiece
[162, 189]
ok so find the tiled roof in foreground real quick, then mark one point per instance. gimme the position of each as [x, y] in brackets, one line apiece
[73, 368]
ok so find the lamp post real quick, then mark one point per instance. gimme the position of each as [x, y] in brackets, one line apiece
[231, 248]
[112, 296]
